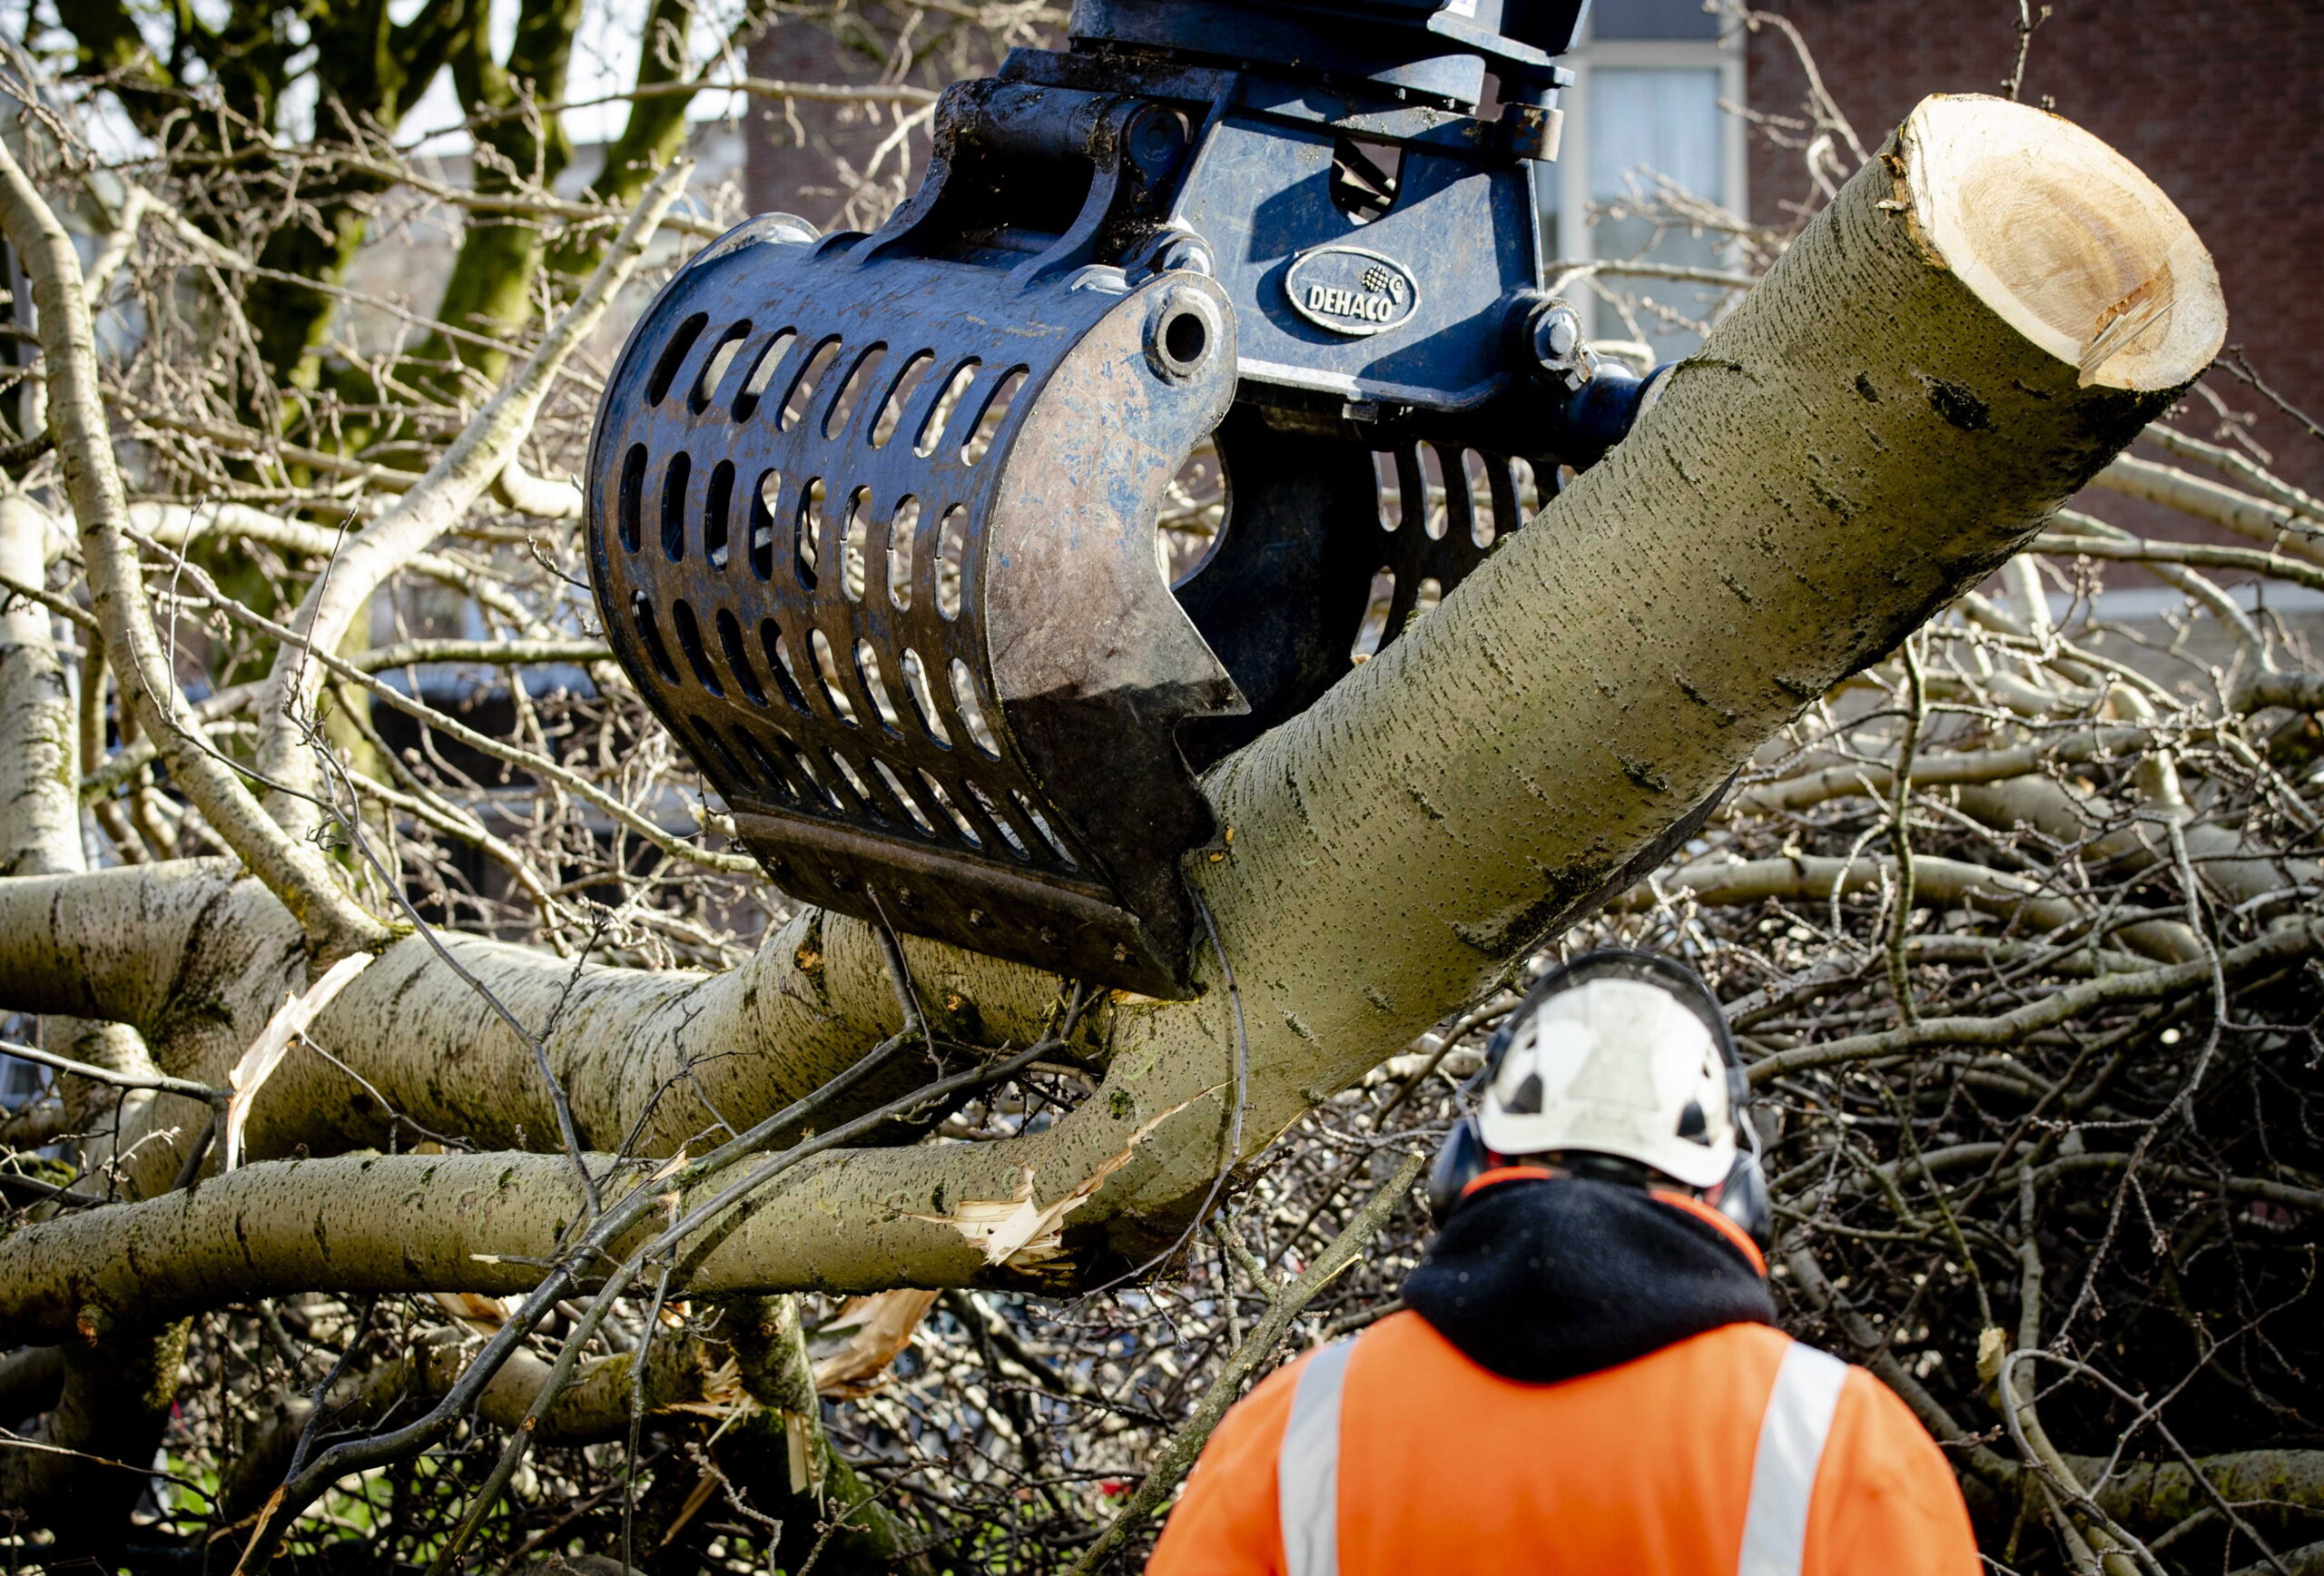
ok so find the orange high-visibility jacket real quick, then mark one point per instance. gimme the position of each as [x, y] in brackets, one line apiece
[1737, 1449]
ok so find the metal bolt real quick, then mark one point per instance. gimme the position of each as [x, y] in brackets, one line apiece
[1155, 140]
[1183, 254]
[1557, 345]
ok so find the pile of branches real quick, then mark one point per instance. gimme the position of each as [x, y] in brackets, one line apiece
[2012, 928]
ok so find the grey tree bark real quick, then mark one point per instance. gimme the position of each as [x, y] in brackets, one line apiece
[114, 1385]
[1901, 404]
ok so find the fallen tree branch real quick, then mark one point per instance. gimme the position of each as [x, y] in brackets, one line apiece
[305, 652]
[1992, 764]
[292, 870]
[471, 464]
[159, 1082]
[179, 527]
[2138, 550]
[2238, 466]
[681, 1373]
[1939, 884]
[2294, 940]
[2282, 529]
[1285, 1301]
[126, 761]
[2301, 692]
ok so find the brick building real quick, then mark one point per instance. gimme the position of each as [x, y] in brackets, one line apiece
[795, 152]
[2221, 104]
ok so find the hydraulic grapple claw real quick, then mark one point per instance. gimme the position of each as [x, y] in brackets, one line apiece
[880, 552]
[872, 518]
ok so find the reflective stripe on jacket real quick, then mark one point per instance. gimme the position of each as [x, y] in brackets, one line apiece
[1737, 1449]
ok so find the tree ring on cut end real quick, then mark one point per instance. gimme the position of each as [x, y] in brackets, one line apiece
[2064, 239]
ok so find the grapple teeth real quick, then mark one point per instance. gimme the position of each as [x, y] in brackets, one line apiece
[875, 538]
[873, 518]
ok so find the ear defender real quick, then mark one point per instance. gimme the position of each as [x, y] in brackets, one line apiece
[1742, 1196]
[1460, 1161]
[1462, 1158]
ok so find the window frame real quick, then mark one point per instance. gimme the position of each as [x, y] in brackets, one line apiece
[1571, 243]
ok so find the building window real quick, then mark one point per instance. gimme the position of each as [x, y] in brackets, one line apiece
[1645, 110]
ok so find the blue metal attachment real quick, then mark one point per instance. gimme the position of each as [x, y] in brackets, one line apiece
[873, 516]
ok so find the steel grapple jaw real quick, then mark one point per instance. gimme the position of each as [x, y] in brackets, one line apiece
[873, 519]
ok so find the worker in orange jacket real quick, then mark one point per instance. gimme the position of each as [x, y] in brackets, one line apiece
[1587, 1377]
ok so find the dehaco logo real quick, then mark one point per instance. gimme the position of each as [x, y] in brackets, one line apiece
[1350, 291]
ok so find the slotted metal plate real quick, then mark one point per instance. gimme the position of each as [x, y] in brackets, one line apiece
[874, 536]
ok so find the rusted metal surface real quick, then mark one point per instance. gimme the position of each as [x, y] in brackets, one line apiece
[873, 518]
[891, 580]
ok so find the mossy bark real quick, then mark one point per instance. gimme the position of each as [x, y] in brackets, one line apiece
[765, 1454]
[490, 288]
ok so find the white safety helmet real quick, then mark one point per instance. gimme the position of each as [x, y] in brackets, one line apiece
[1620, 1054]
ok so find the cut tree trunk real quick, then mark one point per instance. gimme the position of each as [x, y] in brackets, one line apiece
[1983, 318]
